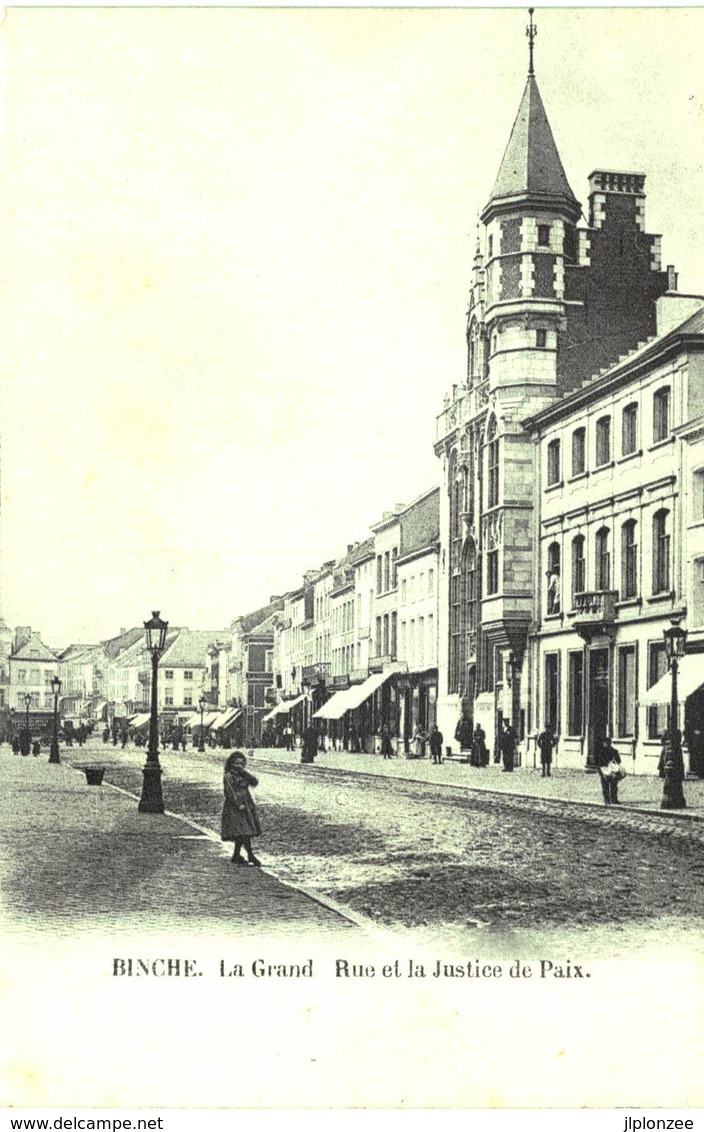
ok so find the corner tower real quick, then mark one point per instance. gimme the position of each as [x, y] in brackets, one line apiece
[530, 225]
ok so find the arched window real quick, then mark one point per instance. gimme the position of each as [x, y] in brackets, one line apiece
[553, 462]
[579, 462]
[629, 560]
[579, 570]
[661, 414]
[661, 553]
[602, 560]
[603, 441]
[629, 429]
[553, 578]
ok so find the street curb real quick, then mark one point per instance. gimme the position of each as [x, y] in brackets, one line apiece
[341, 910]
[682, 815]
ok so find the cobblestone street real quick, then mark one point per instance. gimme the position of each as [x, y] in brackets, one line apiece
[450, 862]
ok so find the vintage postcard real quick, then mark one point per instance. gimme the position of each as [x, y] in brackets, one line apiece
[352, 531]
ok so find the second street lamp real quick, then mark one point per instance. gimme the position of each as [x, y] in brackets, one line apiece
[152, 801]
[26, 746]
[673, 764]
[54, 753]
[201, 741]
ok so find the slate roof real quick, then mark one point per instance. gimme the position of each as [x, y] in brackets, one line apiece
[34, 644]
[531, 166]
[190, 647]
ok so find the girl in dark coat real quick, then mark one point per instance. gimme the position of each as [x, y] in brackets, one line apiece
[240, 821]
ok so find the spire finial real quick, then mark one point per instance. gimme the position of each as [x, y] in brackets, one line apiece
[531, 32]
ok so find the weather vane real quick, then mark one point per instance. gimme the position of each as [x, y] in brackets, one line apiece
[531, 32]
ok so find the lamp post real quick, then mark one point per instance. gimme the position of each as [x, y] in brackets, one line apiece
[28, 737]
[152, 801]
[673, 764]
[201, 738]
[54, 752]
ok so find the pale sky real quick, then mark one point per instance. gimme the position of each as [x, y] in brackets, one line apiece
[236, 260]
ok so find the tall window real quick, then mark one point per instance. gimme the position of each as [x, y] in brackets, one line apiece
[552, 689]
[394, 625]
[602, 560]
[387, 573]
[579, 569]
[394, 570]
[493, 474]
[657, 667]
[553, 462]
[579, 455]
[386, 635]
[379, 574]
[629, 429]
[603, 441]
[626, 721]
[629, 560]
[544, 235]
[575, 692]
[661, 553]
[492, 572]
[661, 415]
[455, 626]
[553, 578]
[378, 636]
[698, 495]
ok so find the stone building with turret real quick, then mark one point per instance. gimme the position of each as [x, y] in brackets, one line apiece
[553, 299]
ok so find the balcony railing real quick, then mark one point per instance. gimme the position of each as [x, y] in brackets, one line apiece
[315, 673]
[594, 611]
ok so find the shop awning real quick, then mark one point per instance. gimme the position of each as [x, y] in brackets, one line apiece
[335, 707]
[225, 718]
[191, 720]
[358, 693]
[140, 720]
[283, 708]
[690, 677]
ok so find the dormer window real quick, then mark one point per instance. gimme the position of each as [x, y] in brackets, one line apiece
[543, 235]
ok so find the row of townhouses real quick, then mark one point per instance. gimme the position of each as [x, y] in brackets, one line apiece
[535, 582]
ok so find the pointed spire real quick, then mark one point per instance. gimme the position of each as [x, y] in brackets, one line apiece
[531, 169]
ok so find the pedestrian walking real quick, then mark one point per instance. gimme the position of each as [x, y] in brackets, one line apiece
[480, 752]
[418, 742]
[608, 762]
[546, 741]
[25, 741]
[288, 737]
[240, 821]
[463, 734]
[36, 748]
[507, 745]
[387, 749]
[435, 744]
[15, 744]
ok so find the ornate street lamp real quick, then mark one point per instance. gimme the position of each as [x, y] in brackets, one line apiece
[673, 764]
[201, 740]
[27, 702]
[54, 753]
[152, 801]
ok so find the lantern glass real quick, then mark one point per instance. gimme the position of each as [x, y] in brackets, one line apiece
[201, 703]
[675, 638]
[56, 685]
[27, 699]
[155, 632]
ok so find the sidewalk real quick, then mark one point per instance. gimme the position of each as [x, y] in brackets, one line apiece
[75, 857]
[642, 793]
